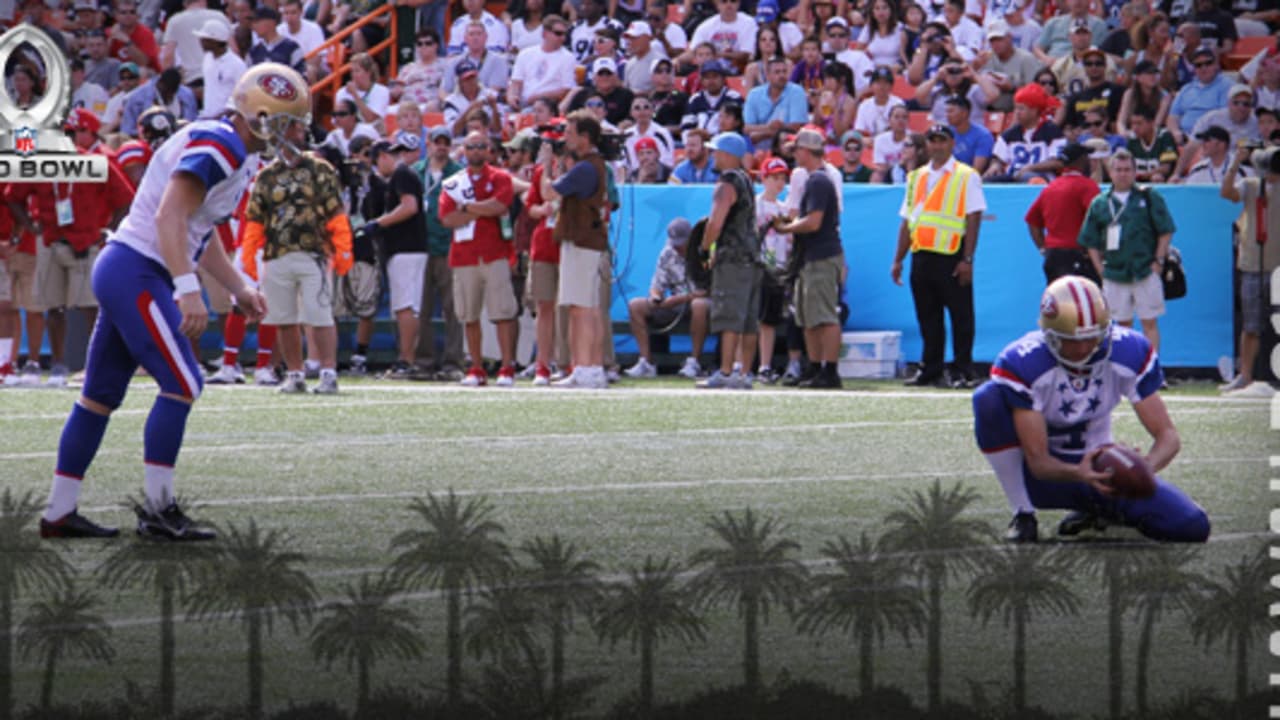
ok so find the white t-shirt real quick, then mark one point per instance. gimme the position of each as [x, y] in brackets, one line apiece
[582, 39]
[873, 119]
[775, 246]
[309, 35]
[498, 40]
[857, 62]
[737, 36]
[1026, 35]
[92, 97]
[180, 30]
[676, 35]
[968, 34]
[882, 50]
[220, 77]
[377, 98]
[666, 146]
[115, 108]
[540, 71]
[791, 36]
[885, 151]
[523, 37]
[336, 139]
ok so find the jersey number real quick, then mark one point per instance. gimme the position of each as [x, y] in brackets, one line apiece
[1074, 436]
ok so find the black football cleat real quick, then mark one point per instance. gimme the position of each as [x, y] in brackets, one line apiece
[1078, 521]
[920, 379]
[170, 524]
[1022, 529]
[75, 525]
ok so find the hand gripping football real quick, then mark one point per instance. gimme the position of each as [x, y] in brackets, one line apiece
[1131, 476]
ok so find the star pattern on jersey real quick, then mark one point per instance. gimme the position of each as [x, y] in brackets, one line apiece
[1094, 402]
[1067, 407]
[1062, 387]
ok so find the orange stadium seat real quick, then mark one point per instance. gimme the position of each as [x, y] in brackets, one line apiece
[835, 156]
[432, 119]
[995, 122]
[868, 155]
[918, 121]
[1245, 49]
[735, 83]
[902, 88]
[390, 122]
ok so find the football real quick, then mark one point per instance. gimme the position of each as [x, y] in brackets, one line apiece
[1131, 475]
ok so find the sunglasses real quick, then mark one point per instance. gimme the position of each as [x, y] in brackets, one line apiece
[853, 147]
[1205, 64]
[838, 34]
[558, 33]
[1095, 124]
[1094, 63]
[342, 114]
[426, 43]
[595, 104]
[662, 71]
[1242, 103]
[638, 108]
[477, 146]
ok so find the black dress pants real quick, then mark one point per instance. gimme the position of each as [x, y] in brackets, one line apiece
[934, 289]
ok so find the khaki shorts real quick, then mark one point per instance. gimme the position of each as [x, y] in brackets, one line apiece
[544, 281]
[64, 280]
[22, 282]
[1145, 298]
[579, 276]
[818, 292]
[298, 290]
[6, 287]
[484, 287]
[219, 296]
[735, 298]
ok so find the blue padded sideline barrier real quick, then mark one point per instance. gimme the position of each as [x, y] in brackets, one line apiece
[1195, 332]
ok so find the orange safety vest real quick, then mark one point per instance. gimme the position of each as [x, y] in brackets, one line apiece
[937, 217]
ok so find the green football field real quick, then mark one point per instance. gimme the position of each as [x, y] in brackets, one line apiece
[634, 471]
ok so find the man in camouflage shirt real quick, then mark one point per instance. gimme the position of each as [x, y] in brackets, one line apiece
[296, 217]
[671, 299]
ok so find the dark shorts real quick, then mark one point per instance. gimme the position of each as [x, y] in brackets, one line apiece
[773, 301]
[663, 319]
[1255, 301]
[735, 298]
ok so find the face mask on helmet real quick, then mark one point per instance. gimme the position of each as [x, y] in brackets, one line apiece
[1073, 310]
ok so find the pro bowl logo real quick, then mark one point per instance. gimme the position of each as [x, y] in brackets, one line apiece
[33, 145]
[278, 87]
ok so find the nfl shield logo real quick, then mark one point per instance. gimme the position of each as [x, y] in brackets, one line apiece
[24, 141]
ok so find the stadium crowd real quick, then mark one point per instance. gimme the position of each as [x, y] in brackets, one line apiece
[452, 170]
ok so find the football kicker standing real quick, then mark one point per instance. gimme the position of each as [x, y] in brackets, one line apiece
[146, 285]
[1046, 413]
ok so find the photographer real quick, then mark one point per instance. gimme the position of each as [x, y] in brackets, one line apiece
[936, 46]
[582, 229]
[356, 293]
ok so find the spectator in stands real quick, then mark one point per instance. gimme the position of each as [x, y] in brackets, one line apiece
[1096, 133]
[768, 46]
[497, 37]
[409, 122]
[271, 45]
[300, 29]
[873, 112]
[1153, 44]
[645, 127]
[1265, 80]
[128, 82]
[527, 24]
[1268, 124]
[544, 71]
[166, 90]
[1217, 27]
[99, 67]
[882, 36]
[131, 41]
[808, 72]
[858, 62]
[703, 53]
[437, 286]
[669, 103]
[220, 69]
[956, 80]
[703, 110]
[1130, 257]
[181, 48]
[1034, 139]
[1154, 152]
[1096, 92]
[972, 143]
[85, 94]
[494, 67]
[1055, 41]
[671, 299]
[1024, 30]
[732, 32]
[670, 36]
[608, 45]
[964, 31]
[852, 170]
[770, 108]
[888, 146]
[789, 33]
[913, 20]
[821, 12]
[1008, 66]
[649, 168]
[1214, 146]
[1236, 118]
[913, 156]
[608, 86]
[1072, 69]
[1184, 70]
[735, 272]
[1209, 90]
[1120, 40]
[834, 108]
[1055, 218]
[1256, 261]
[697, 166]
[640, 56]
[1047, 80]
[347, 127]
[424, 77]
[469, 97]
[591, 18]
[1145, 93]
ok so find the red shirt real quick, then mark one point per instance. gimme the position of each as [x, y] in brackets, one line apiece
[543, 247]
[144, 40]
[92, 205]
[1060, 209]
[487, 245]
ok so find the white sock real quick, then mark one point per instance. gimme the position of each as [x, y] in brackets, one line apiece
[1008, 466]
[158, 484]
[63, 497]
[328, 374]
[296, 375]
[6, 350]
[311, 364]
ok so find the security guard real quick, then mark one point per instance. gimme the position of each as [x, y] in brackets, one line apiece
[940, 213]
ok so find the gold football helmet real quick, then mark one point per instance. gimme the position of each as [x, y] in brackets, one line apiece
[1073, 308]
[271, 97]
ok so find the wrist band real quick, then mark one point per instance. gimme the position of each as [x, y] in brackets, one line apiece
[184, 284]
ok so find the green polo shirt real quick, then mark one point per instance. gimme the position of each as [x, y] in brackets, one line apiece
[1143, 218]
[438, 236]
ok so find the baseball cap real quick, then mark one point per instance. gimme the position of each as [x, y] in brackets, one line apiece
[83, 119]
[266, 12]
[1080, 24]
[810, 139]
[604, 64]
[1214, 132]
[838, 21]
[405, 141]
[660, 61]
[730, 142]
[215, 30]
[766, 11]
[1239, 89]
[129, 68]
[850, 135]
[466, 67]
[521, 141]
[713, 66]
[378, 148]
[639, 28]
[1093, 51]
[775, 166]
[940, 129]
[1145, 66]
[997, 29]
[679, 230]
[1202, 50]
[646, 143]
[882, 72]
[1072, 152]
[610, 32]
[439, 131]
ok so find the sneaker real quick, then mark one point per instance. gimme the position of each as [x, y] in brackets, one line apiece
[691, 369]
[792, 374]
[75, 525]
[717, 381]
[359, 365]
[294, 384]
[806, 376]
[541, 376]
[739, 381]
[475, 377]
[58, 375]
[558, 374]
[1023, 529]
[265, 376]
[1226, 368]
[311, 368]
[30, 376]
[399, 370]
[767, 375]
[529, 372]
[594, 378]
[449, 374]
[570, 380]
[506, 377]
[1255, 389]
[328, 384]
[170, 524]
[1236, 383]
[825, 379]
[7, 375]
[226, 375]
[1078, 521]
[611, 375]
[643, 369]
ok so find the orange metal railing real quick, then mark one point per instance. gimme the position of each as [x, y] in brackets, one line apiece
[336, 53]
